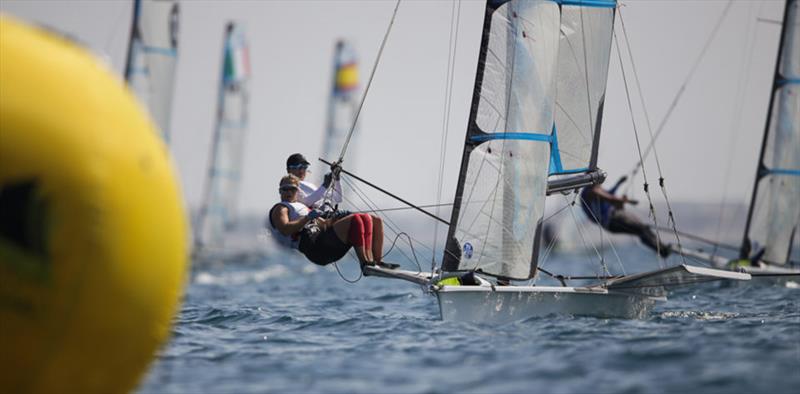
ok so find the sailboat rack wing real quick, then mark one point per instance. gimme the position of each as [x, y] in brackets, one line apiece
[420, 278]
[656, 283]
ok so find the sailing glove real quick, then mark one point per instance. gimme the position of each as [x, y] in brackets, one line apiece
[328, 178]
[336, 169]
[315, 213]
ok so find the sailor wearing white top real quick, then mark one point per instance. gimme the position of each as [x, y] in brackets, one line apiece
[309, 193]
[324, 241]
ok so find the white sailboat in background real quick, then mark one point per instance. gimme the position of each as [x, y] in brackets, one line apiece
[343, 102]
[771, 243]
[534, 129]
[218, 211]
[152, 54]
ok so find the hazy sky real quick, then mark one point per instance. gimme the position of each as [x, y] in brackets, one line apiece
[715, 130]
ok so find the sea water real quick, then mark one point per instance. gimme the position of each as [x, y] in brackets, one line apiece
[279, 324]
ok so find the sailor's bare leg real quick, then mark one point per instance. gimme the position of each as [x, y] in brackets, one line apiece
[377, 238]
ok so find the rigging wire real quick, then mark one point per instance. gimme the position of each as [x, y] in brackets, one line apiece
[638, 145]
[602, 231]
[369, 83]
[450, 75]
[661, 182]
[634, 171]
[717, 245]
[410, 208]
[391, 225]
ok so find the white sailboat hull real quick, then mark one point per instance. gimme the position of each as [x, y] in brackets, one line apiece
[764, 274]
[505, 304]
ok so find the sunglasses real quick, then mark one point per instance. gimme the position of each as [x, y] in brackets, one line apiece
[298, 167]
[287, 189]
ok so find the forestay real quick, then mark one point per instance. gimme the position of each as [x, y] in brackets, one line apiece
[224, 171]
[153, 50]
[530, 51]
[774, 212]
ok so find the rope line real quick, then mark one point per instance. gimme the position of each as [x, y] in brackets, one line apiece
[682, 88]
[369, 83]
[450, 75]
[638, 147]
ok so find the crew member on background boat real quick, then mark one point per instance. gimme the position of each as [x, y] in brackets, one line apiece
[324, 241]
[608, 211]
[310, 194]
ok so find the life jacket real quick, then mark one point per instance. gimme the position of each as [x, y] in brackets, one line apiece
[296, 211]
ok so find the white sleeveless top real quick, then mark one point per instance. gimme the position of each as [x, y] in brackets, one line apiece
[296, 211]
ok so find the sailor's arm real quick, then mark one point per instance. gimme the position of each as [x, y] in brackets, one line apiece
[312, 198]
[280, 216]
[608, 197]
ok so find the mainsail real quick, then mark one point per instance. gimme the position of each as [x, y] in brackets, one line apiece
[773, 223]
[343, 102]
[536, 111]
[152, 53]
[218, 210]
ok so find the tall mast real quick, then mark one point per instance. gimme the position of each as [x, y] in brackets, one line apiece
[780, 82]
[134, 36]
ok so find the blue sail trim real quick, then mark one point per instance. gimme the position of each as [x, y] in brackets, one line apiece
[511, 136]
[589, 3]
[579, 3]
[787, 81]
[555, 155]
[160, 50]
[783, 171]
[556, 166]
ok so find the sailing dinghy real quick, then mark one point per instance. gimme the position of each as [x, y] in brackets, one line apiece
[343, 101]
[533, 129]
[771, 244]
[218, 210]
[152, 54]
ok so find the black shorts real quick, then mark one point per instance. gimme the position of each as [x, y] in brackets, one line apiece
[324, 249]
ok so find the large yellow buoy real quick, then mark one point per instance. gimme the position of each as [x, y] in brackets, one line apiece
[92, 225]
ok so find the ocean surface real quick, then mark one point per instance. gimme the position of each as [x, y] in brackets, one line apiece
[279, 324]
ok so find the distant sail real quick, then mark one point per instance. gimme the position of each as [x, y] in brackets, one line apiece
[152, 53]
[343, 102]
[512, 130]
[218, 211]
[774, 217]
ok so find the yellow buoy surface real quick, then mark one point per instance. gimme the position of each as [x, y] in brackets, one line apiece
[92, 225]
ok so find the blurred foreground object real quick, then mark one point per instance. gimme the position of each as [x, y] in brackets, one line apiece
[92, 226]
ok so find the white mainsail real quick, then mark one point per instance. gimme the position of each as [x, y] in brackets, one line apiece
[218, 211]
[774, 218]
[343, 102]
[519, 132]
[152, 54]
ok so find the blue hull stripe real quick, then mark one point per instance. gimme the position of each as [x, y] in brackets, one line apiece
[787, 81]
